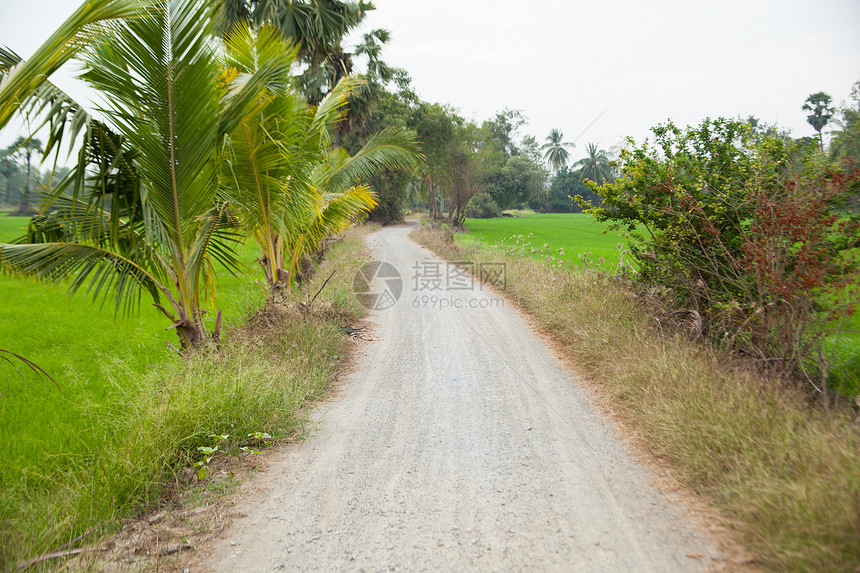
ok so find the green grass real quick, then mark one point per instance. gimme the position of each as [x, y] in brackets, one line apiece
[845, 352]
[94, 357]
[84, 350]
[563, 237]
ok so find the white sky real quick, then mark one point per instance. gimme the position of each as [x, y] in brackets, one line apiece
[564, 62]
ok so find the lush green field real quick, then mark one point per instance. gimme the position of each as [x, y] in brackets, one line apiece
[566, 236]
[94, 357]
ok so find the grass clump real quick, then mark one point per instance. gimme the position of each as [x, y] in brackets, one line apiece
[786, 472]
[144, 442]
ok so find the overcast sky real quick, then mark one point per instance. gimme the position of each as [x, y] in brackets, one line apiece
[563, 62]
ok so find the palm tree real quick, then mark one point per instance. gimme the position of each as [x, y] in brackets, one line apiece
[24, 147]
[317, 27]
[554, 150]
[595, 166]
[290, 190]
[170, 108]
[822, 112]
[8, 168]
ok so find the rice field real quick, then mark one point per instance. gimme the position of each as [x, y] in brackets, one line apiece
[568, 237]
[94, 357]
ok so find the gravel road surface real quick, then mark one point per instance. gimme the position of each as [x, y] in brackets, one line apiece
[458, 443]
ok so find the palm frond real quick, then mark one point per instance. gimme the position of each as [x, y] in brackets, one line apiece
[257, 64]
[105, 271]
[332, 109]
[213, 238]
[157, 77]
[20, 81]
[340, 212]
[392, 148]
[8, 60]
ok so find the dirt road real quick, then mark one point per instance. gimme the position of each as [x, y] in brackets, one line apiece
[458, 443]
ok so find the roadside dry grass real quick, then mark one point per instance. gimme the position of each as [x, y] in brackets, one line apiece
[271, 369]
[786, 474]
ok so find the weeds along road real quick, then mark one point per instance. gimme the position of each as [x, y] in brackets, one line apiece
[457, 443]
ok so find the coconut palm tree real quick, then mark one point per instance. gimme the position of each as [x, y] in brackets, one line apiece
[289, 188]
[555, 151]
[595, 166]
[169, 110]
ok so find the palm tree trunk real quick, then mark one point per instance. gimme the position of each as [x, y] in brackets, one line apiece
[24, 205]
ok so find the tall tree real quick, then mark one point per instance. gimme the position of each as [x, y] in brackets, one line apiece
[8, 168]
[503, 129]
[436, 127]
[24, 147]
[822, 112]
[555, 151]
[318, 28]
[595, 166]
[391, 109]
[517, 182]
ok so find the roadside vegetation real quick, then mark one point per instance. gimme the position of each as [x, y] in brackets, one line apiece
[207, 163]
[785, 473]
[129, 430]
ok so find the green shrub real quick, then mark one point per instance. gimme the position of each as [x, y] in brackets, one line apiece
[748, 233]
[482, 206]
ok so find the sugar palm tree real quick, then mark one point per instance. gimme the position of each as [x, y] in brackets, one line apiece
[595, 166]
[822, 112]
[25, 147]
[317, 27]
[169, 110]
[555, 151]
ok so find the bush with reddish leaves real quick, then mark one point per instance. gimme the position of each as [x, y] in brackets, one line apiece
[749, 233]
